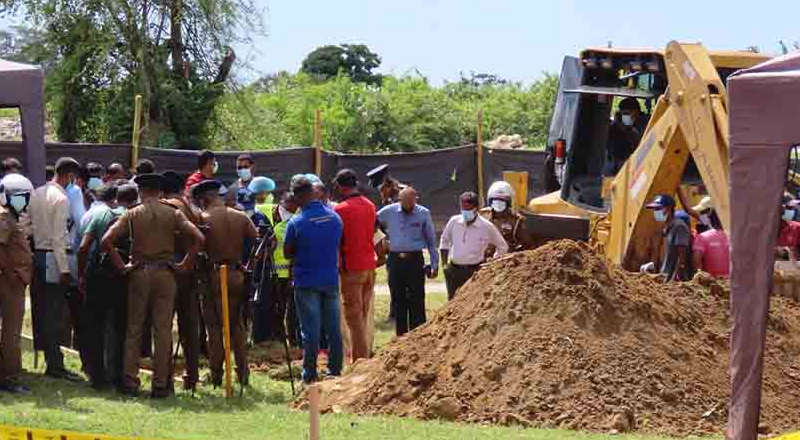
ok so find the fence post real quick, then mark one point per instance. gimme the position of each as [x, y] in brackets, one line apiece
[137, 130]
[318, 143]
[481, 191]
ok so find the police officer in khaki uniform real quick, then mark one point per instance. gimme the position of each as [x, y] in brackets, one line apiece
[152, 227]
[16, 268]
[227, 228]
[186, 302]
[502, 214]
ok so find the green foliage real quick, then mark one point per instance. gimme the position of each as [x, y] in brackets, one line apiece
[403, 114]
[355, 60]
[99, 54]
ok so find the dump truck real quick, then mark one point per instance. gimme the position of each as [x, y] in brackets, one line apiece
[682, 92]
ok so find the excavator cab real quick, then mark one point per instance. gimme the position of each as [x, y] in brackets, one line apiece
[579, 168]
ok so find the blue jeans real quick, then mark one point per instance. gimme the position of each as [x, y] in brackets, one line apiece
[318, 308]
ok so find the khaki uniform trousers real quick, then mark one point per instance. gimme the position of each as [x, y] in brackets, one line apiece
[212, 311]
[150, 290]
[12, 311]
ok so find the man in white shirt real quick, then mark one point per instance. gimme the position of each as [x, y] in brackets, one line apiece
[464, 240]
[50, 213]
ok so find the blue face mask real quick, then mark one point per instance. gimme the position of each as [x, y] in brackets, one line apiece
[244, 173]
[94, 183]
[788, 215]
[468, 216]
[660, 215]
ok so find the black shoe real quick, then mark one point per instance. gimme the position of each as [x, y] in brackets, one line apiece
[129, 392]
[15, 388]
[63, 374]
[161, 393]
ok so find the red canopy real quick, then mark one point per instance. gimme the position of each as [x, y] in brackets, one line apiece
[22, 86]
[764, 125]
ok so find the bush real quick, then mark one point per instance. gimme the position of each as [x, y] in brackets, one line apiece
[403, 114]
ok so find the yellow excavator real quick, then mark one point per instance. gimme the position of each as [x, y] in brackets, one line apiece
[685, 145]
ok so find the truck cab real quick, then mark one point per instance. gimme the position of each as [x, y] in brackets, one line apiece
[578, 168]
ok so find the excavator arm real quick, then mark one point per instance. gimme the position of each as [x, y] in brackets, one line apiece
[690, 119]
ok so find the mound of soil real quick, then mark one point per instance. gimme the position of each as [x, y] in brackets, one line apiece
[557, 337]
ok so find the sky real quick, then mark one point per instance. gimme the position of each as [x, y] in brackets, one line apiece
[516, 40]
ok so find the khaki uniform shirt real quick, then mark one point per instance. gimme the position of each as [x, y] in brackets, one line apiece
[183, 243]
[511, 225]
[227, 229]
[15, 252]
[152, 226]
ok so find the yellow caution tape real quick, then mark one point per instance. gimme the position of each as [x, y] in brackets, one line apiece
[792, 436]
[19, 433]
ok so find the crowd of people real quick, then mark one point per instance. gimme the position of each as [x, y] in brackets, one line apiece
[110, 258]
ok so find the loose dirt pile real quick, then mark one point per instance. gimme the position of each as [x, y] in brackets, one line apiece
[558, 338]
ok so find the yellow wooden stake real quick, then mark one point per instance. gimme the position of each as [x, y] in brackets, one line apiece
[226, 329]
[481, 188]
[137, 130]
[318, 143]
[519, 182]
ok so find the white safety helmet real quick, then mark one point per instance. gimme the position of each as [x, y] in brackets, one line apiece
[15, 191]
[501, 190]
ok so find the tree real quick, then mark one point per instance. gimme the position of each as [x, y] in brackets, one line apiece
[176, 53]
[355, 60]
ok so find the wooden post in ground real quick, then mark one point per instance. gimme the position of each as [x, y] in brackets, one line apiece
[137, 130]
[313, 412]
[481, 189]
[226, 328]
[318, 143]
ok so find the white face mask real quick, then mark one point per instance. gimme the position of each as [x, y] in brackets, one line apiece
[499, 205]
[660, 215]
[788, 215]
[627, 120]
[19, 203]
[216, 167]
[284, 213]
[705, 219]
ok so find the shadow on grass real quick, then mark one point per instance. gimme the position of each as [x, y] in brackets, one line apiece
[60, 395]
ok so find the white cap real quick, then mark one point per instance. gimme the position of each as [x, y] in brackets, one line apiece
[501, 190]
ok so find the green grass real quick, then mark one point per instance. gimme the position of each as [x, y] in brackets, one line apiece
[261, 414]
[9, 113]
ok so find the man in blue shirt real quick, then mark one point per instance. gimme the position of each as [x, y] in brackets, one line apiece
[410, 230]
[312, 243]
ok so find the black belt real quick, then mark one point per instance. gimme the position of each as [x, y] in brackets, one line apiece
[465, 266]
[154, 265]
[404, 255]
[67, 251]
[232, 266]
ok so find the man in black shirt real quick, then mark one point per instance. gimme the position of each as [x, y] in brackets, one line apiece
[625, 133]
[677, 239]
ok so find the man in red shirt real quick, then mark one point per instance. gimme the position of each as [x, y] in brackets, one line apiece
[711, 249]
[357, 264]
[206, 168]
[789, 237]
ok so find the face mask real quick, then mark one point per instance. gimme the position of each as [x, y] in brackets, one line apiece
[244, 173]
[660, 215]
[788, 215]
[94, 183]
[468, 216]
[705, 219]
[627, 120]
[284, 213]
[216, 167]
[499, 205]
[19, 203]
